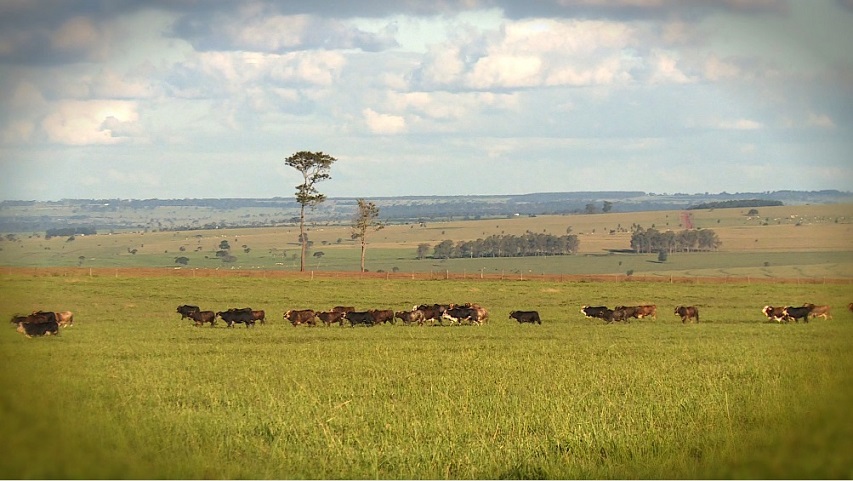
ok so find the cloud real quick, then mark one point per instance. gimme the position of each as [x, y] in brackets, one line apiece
[75, 122]
[820, 120]
[383, 123]
[740, 124]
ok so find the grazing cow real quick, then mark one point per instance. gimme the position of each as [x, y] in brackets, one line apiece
[200, 317]
[687, 313]
[260, 316]
[775, 313]
[238, 316]
[459, 314]
[355, 317]
[185, 310]
[822, 311]
[600, 312]
[409, 317]
[850, 306]
[343, 309]
[797, 313]
[381, 316]
[531, 317]
[331, 317]
[304, 316]
[65, 318]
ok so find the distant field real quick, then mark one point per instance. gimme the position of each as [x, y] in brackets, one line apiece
[796, 241]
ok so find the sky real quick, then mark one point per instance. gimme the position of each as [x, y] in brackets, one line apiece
[137, 99]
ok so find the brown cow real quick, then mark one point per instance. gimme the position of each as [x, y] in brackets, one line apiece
[331, 317]
[647, 310]
[65, 318]
[850, 306]
[381, 316]
[304, 316]
[343, 309]
[687, 313]
[259, 316]
[200, 317]
[822, 311]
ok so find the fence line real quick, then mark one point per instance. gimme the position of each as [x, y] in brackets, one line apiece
[131, 272]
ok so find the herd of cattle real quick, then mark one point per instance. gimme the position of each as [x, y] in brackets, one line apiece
[46, 323]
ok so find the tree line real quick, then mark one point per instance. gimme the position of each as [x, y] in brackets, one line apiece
[528, 244]
[652, 240]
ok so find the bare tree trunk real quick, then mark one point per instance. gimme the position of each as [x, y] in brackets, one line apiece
[302, 239]
[363, 248]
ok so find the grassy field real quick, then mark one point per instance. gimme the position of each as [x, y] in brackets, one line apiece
[133, 392]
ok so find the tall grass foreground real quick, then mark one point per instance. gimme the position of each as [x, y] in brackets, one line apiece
[131, 391]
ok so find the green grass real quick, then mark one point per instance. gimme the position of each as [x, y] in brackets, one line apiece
[132, 392]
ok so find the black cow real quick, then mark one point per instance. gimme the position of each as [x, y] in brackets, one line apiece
[331, 317]
[797, 313]
[599, 312]
[185, 310]
[621, 313]
[31, 329]
[301, 316]
[355, 317]
[459, 314]
[687, 313]
[526, 316]
[238, 316]
[200, 317]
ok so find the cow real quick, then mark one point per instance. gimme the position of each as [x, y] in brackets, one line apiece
[200, 317]
[482, 313]
[850, 306]
[797, 313]
[775, 313]
[647, 310]
[432, 312]
[238, 316]
[65, 318]
[185, 310]
[623, 313]
[39, 323]
[459, 314]
[595, 312]
[381, 316]
[531, 317]
[17, 319]
[330, 317]
[356, 317]
[822, 311]
[343, 309]
[303, 316]
[408, 317]
[260, 316]
[31, 329]
[687, 313]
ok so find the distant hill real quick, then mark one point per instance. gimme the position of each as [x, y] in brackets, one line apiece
[190, 214]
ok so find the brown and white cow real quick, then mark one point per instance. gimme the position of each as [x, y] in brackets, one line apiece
[775, 313]
[65, 318]
[297, 317]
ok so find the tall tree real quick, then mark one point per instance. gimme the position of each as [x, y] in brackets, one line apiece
[366, 219]
[314, 167]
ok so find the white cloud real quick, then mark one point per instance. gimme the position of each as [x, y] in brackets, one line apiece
[820, 120]
[383, 123]
[75, 122]
[740, 124]
[665, 69]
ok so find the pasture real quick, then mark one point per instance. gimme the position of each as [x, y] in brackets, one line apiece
[131, 391]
